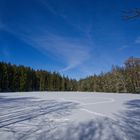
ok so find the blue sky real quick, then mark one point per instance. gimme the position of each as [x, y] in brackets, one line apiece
[74, 37]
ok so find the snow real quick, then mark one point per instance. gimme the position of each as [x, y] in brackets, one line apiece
[69, 116]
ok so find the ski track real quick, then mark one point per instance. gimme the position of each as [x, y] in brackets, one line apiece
[109, 100]
[30, 112]
[38, 109]
[26, 119]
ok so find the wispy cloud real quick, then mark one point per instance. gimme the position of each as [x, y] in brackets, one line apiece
[71, 51]
[137, 41]
[49, 7]
[124, 47]
[60, 12]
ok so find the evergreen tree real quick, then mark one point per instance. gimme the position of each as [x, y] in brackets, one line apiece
[119, 79]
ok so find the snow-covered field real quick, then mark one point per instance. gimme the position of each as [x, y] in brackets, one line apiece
[69, 116]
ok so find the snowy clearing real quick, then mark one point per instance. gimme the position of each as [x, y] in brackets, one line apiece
[69, 116]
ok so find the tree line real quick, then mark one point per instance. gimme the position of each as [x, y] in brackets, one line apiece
[20, 78]
[120, 79]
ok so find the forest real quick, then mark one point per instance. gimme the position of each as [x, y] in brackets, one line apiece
[125, 79]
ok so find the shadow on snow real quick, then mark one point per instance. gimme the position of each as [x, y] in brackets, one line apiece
[125, 127]
[25, 118]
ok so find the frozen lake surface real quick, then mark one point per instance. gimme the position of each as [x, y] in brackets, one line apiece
[69, 116]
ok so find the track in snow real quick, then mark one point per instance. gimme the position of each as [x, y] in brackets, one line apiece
[75, 116]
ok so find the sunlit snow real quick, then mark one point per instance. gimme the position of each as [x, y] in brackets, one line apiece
[69, 116]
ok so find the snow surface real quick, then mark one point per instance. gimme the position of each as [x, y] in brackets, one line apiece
[69, 116]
